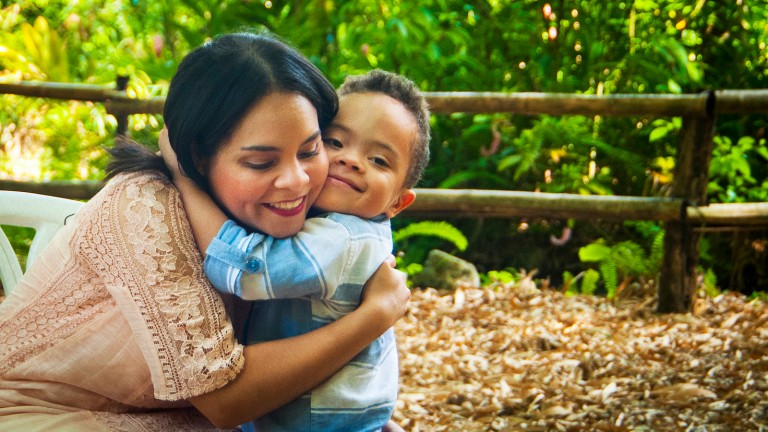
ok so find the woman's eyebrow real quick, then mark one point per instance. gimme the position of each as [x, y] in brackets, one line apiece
[271, 148]
[261, 148]
[312, 137]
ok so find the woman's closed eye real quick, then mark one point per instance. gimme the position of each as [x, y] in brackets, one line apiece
[259, 166]
[310, 153]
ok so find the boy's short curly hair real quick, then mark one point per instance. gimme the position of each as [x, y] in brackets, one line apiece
[408, 94]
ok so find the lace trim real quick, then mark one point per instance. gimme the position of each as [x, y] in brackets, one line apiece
[142, 243]
[187, 420]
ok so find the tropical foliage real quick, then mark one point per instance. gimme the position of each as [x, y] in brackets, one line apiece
[576, 46]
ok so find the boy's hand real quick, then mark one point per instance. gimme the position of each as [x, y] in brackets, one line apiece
[387, 292]
[169, 156]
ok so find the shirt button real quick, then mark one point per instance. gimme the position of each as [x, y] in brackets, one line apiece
[253, 265]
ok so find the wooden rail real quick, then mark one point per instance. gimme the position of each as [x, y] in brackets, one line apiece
[447, 203]
[683, 212]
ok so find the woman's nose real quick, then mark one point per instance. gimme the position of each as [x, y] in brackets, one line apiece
[292, 176]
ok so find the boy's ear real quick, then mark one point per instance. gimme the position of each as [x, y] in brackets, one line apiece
[401, 203]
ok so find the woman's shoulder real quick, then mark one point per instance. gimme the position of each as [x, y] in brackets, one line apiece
[140, 179]
[147, 189]
[138, 184]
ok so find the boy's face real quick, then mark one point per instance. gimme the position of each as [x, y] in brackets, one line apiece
[369, 151]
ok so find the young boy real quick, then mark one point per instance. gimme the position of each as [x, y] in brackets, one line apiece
[377, 148]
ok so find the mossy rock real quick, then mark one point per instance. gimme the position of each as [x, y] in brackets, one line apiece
[445, 271]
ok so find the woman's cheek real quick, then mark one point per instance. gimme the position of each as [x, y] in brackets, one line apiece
[317, 172]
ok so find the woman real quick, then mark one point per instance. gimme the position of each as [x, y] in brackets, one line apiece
[114, 327]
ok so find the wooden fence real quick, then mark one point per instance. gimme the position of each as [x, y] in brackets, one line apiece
[682, 212]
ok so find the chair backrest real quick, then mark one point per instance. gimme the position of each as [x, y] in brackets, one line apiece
[46, 214]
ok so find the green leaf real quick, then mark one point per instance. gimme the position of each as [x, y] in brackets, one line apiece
[440, 229]
[674, 87]
[509, 161]
[742, 166]
[658, 133]
[594, 252]
[763, 152]
[710, 283]
[589, 282]
[610, 277]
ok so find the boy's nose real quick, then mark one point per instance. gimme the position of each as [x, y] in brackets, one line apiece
[350, 161]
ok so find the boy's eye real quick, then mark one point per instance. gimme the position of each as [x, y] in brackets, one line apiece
[380, 161]
[333, 143]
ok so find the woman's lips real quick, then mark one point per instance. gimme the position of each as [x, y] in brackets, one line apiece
[288, 208]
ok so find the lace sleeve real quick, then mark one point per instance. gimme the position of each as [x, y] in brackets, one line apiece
[142, 245]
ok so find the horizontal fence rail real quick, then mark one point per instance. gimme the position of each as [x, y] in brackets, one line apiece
[683, 212]
[727, 101]
[445, 203]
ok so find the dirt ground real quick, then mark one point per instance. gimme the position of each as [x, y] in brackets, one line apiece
[509, 358]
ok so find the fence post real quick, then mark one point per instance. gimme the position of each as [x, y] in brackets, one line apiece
[677, 281]
[122, 118]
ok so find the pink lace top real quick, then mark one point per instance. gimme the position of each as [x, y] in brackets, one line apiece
[115, 319]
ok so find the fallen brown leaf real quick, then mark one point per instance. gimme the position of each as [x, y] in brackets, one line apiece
[506, 359]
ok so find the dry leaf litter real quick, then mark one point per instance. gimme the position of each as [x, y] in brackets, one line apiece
[514, 358]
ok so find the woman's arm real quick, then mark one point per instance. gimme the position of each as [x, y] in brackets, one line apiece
[278, 372]
[205, 216]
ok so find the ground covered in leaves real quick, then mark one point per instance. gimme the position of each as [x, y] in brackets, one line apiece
[508, 358]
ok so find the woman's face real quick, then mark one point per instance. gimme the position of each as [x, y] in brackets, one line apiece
[271, 170]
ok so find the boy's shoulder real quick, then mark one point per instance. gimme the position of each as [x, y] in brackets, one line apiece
[357, 225]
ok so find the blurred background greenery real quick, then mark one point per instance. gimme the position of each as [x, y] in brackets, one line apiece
[575, 46]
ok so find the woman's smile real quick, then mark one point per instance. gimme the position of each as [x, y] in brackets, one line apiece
[288, 208]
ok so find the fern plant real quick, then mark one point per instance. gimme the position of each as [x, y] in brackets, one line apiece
[617, 263]
[439, 229]
[709, 282]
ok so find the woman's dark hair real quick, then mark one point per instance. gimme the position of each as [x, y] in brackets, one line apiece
[213, 89]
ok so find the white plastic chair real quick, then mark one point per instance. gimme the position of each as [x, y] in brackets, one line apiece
[46, 214]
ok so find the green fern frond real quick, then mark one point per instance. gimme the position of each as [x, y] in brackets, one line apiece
[610, 277]
[589, 282]
[629, 258]
[440, 229]
[710, 283]
[657, 252]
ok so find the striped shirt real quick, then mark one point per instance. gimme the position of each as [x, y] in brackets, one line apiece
[310, 280]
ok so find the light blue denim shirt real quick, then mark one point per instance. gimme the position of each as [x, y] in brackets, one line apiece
[310, 280]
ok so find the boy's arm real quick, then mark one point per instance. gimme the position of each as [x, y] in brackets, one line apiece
[314, 262]
[205, 216]
[254, 266]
